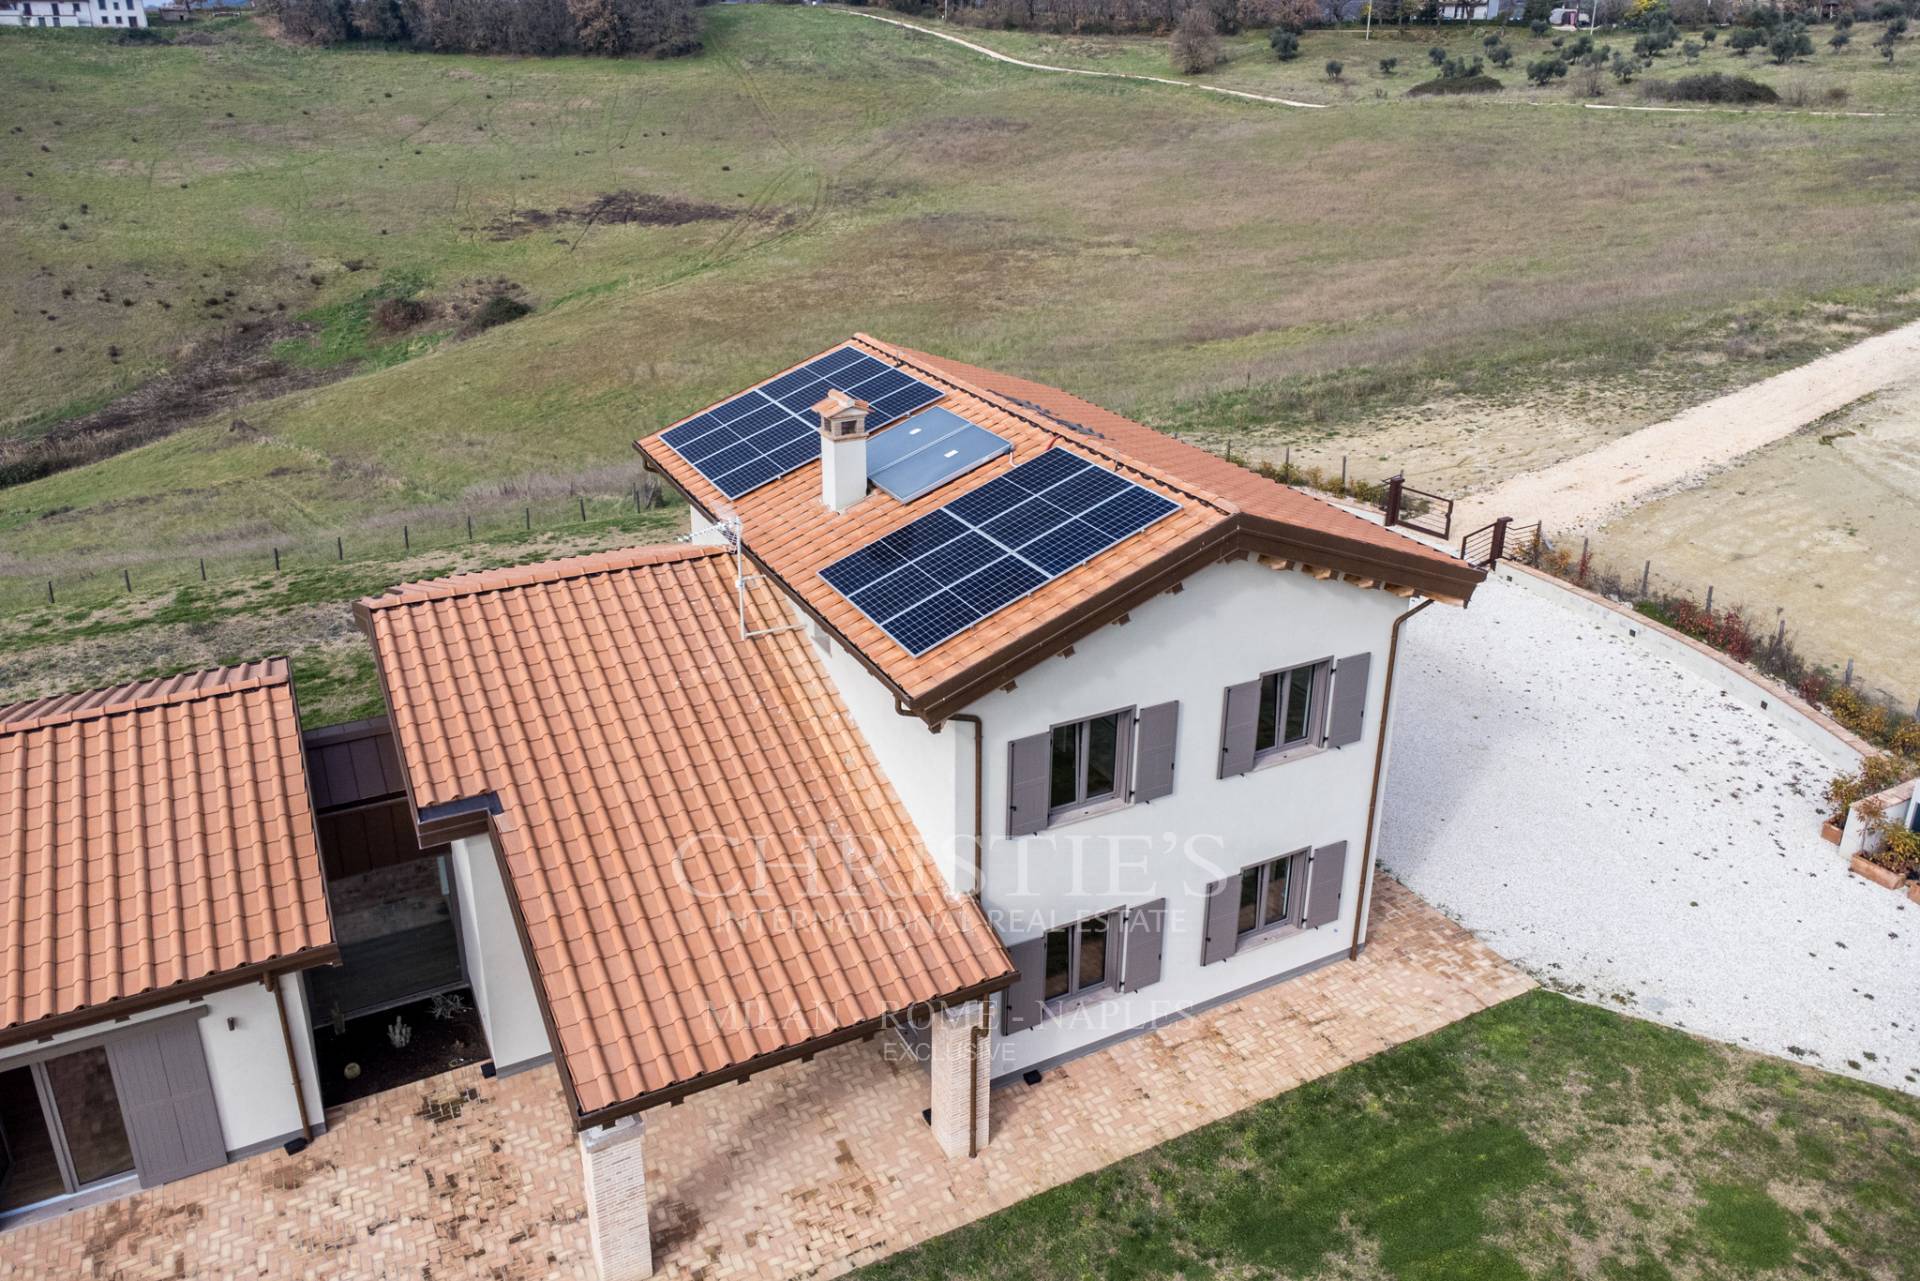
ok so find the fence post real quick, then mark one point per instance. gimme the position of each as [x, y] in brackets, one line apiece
[529, 519]
[469, 527]
[1499, 547]
[339, 547]
[406, 537]
[1286, 466]
[49, 591]
[583, 507]
[1709, 600]
[276, 560]
[203, 569]
[1343, 475]
[1646, 572]
[1393, 499]
[636, 499]
[126, 576]
[1780, 634]
[1848, 682]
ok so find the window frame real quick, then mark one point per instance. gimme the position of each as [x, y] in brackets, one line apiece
[1261, 872]
[1317, 706]
[1110, 977]
[1127, 731]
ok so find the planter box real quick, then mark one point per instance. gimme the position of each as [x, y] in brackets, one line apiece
[1885, 878]
[1830, 832]
[1913, 891]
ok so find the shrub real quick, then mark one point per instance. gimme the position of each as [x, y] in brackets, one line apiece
[1714, 86]
[1744, 39]
[1885, 44]
[1542, 71]
[497, 310]
[392, 315]
[1538, 26]
[1501, 55]
[1838, 41]
[1790, 41]
[1196, 45]
[1387, 65]
[1709, 36]
[1690, 51]
[1436, 55]
[1624, 68]
[1875, 775]
[1334, 68]
[1286, 45]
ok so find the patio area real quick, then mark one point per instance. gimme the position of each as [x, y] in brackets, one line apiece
[811, 1168]
[1614, 825]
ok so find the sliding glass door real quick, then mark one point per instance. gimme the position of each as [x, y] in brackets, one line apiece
[61, 1128]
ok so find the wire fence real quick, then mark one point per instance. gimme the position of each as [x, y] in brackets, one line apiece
[486, 528]
[1737, 629]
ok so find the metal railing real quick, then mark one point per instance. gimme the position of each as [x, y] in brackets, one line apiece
[1417, 509]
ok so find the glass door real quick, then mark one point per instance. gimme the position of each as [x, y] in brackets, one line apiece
[81, 1086]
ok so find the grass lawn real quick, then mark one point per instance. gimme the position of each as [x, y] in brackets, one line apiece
[1542, 1138]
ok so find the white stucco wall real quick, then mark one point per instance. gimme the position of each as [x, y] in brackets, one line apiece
[1230, 623]
[497, 966]
[247, 1063]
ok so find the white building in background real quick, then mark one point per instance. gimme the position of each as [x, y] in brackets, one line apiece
[72, 13]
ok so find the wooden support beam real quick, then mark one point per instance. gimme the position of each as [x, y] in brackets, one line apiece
[1275, 562]
[1316, 571]
[1395, 589]
[1358, 581]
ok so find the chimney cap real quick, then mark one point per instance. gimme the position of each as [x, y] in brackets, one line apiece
[837, 402]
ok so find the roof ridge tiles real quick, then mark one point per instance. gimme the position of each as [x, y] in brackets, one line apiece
[143, 695]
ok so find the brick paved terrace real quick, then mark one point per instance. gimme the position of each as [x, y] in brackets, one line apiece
[811, 1168]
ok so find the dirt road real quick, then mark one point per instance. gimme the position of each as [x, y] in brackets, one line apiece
[1582, 492]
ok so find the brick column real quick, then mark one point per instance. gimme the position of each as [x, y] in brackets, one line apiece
[615, 1161]
[960, 1073]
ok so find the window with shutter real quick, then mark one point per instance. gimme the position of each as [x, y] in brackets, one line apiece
[1156, 729]
[1346, 718]
[1239, 720]
[1142, 929]
[1028, 761]
[1026, 1003]
[1221, 939]
[1325, 876]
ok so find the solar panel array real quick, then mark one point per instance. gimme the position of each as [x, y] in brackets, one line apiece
[761, 435]
[924, 452]
[992, 546]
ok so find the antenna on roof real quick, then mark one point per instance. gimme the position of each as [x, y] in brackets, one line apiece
[730, 530]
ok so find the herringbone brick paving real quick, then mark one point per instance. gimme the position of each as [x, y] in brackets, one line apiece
[810, 1169]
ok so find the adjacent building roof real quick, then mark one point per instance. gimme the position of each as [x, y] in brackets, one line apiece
[710, 870]
[153, 837]
[1225, 510]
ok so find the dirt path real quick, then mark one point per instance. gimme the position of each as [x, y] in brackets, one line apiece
[1082, 71]
[1580, 493]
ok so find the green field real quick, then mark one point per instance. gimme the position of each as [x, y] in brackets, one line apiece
[1540, 1139]
[227, 214]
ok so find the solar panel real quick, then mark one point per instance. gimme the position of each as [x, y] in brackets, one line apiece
[924, 452]
[991, 546]
[763, 434]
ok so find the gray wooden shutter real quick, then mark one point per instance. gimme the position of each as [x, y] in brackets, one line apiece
[1326, 869]
[1028, 779]
[1143, 929]
[1026, 999]
[1153, 751]
[1348, 708]
[166, 1098]
[1238, 723]
[1223, 920]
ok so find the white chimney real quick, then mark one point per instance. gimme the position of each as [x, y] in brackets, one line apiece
[843, 450]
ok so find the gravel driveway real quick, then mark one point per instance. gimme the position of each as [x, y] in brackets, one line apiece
[1626, 834]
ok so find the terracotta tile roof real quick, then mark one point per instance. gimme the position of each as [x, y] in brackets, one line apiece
[710, 866]
[153, 836]
[1224, 509]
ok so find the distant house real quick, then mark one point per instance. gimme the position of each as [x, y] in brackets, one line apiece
[72, 13]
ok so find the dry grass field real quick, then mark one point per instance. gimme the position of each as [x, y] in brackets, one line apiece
[201, 235]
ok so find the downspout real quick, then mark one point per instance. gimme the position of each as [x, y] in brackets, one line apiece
[979, 793]
[293, 1060]
[1379, 766]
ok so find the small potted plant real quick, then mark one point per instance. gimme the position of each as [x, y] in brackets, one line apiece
[1890, 854]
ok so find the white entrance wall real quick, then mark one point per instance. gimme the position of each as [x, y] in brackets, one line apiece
[1230, 623]
[246, 1062]
[497, 966]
